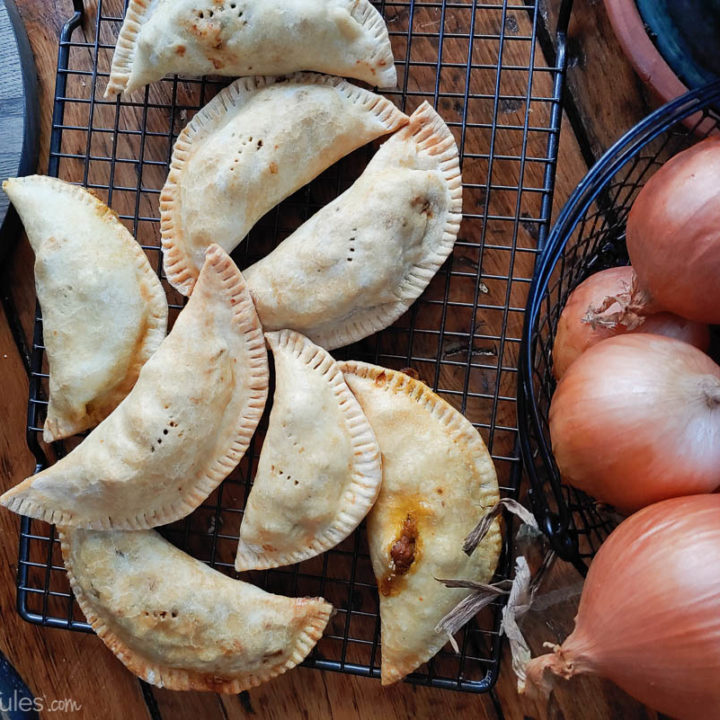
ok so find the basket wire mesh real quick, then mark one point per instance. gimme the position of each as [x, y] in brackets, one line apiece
[589, 236]
[481, 65]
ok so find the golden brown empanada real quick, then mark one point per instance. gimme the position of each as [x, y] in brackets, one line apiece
[438, 481]
[104, 309]
[370, 253]
[256, 142]
[184, 426]
[250, 37]
[319, 469]
[179, 624]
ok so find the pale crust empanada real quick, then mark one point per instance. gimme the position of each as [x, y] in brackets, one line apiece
[104, 309]
[438, 481]
[179, 624]
[371, 252]
[184, 426]
[256, 142]
[250, 37]
[319, 470]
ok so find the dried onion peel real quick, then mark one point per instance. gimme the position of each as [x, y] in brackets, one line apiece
[636, 419]
[590, 315]
[649, 615]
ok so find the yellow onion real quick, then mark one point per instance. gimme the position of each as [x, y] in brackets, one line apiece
[649, 615]
[673, 238]
[636, 419]
[583, 323]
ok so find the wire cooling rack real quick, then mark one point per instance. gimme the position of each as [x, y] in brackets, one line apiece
[481, 64]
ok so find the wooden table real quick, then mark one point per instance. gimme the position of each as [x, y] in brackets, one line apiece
[604, 99]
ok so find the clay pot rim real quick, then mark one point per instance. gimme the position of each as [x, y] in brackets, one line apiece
[645, 58]
[640, 50]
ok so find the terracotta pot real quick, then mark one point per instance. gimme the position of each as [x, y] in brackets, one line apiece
[644, 56]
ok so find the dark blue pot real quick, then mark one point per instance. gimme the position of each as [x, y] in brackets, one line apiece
[687, 34]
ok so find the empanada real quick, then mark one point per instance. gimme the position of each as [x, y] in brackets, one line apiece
[438, 482]
[256, 142]
[250, 37]
[184, 426]
[319, 469]
[369, 253]
[104, 309]
[179, 624]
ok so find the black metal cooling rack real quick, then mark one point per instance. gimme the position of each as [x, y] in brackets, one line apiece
[589, 236]
[481, 64]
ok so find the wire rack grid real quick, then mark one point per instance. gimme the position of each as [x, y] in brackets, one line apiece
[482, 66]
[589, 236]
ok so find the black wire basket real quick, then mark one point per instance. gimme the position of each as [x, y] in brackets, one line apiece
[496, 77]
[588, 236]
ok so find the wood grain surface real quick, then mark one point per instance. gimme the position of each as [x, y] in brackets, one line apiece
[604, 99]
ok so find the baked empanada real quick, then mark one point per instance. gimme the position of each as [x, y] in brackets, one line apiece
[369, 253]
[250, 37]
[184, 426]
[104, 309]
[179, 624]
[438, 481]
[319, 469]
[256, 142]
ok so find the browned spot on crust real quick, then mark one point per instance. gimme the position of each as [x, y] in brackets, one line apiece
[273, 168]
[208, 33]
[217, 64]
[180, 50]
[380, 379]
[424, 204]
[236, 647]
[103, 211]
[215, 682]
[412, 372]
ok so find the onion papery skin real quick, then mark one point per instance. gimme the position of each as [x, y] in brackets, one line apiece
[575, 333]
[673, 236]
[636, 419]
[649, 614]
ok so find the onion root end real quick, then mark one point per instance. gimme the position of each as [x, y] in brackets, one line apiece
[539, 683]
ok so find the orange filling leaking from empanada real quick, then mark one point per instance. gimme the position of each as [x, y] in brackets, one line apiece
[405, 550]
